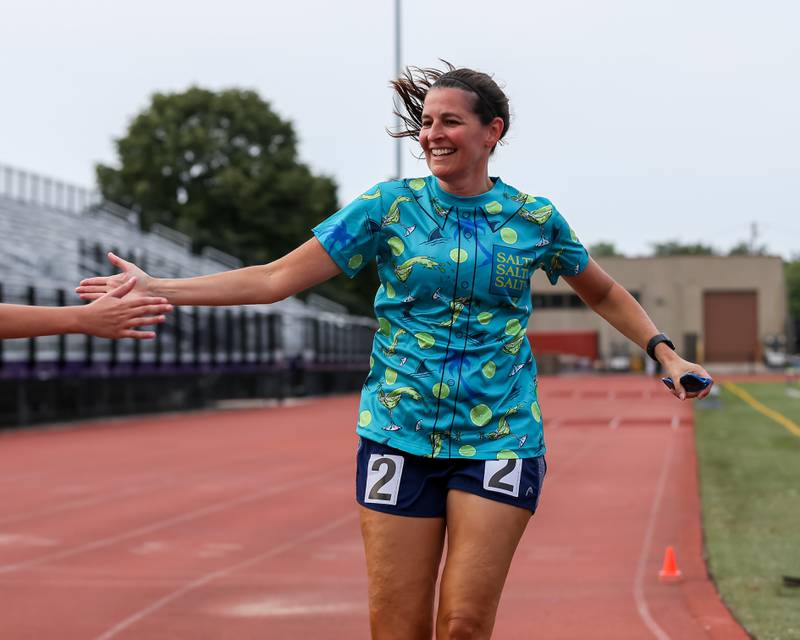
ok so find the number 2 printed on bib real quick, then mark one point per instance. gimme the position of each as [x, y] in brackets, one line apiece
[383, 478]
[503, 476]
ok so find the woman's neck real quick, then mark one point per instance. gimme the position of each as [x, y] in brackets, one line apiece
[467, 186]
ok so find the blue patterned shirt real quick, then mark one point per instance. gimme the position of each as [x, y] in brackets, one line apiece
[451, 371]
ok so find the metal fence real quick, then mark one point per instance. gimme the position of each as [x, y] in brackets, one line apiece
[33, 188]
[200, 355]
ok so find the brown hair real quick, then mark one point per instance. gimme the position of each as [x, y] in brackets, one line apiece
[414, 83]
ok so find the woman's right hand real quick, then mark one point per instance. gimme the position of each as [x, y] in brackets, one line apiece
[94, 288]
[120, 314]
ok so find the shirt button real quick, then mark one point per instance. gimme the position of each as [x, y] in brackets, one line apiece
[465, 215]
[464, 284]
[467, 234]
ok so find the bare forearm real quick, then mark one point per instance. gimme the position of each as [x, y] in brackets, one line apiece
[620, 309]
[250, 285]
[19, 321]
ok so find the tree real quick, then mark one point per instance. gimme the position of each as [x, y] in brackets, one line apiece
[792, 272]
[676, 248]
[743, 248]
[222, 168]
[604, 250]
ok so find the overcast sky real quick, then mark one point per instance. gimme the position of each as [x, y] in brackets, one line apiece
[642, 121]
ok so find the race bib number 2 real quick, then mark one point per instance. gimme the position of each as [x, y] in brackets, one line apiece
[383, 479]
[503, 476]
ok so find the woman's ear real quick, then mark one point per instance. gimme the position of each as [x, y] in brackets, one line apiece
[496, 128]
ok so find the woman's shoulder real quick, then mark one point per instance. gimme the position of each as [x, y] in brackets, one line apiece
[386, 189]
[525, 197]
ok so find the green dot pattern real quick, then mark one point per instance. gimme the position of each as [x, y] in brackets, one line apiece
[441, 391]
[480, 415]
[467, 451]
[425, 340]
[513, 327]
[396, 245]
[508, 235]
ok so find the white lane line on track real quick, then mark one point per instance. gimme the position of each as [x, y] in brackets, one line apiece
[638, 584]
[163, 524]
[146, 483]
[199, 582]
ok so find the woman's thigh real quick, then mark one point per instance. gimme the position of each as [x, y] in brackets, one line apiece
[403, 555]
[482, 536]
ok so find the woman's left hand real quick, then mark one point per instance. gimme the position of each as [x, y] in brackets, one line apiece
[677, 367]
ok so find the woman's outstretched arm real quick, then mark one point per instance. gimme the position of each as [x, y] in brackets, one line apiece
[306, 266]
[109, 316]
[620, 309]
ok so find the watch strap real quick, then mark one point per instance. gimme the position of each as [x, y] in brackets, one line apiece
[656, 340]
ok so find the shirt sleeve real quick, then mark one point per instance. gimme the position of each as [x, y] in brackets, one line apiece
[565, 255]
[351, 235]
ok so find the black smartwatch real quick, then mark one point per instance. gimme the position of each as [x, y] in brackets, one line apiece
[656, 340]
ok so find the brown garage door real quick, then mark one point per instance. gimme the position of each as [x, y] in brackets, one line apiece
[730, 326]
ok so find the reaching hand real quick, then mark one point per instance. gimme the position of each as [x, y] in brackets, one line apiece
[677, 367]
[115, 314]
[94, 288]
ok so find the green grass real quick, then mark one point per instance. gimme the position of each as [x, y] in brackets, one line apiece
[750, 490]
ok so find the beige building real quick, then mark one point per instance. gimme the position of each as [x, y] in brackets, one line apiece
[715, 309]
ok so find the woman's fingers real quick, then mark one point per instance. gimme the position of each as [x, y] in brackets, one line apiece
[137, 335]
[118, 262]
[144, 321]
[150, 310]
[92, 288]
[96, 280]
[91, 296]
[162, 304]
[123, 289]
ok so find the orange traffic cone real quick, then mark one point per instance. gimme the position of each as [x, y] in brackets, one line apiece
[669, 570]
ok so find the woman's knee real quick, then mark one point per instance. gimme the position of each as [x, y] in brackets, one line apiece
[464, 625]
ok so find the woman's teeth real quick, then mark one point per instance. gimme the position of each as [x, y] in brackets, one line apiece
[442, 152]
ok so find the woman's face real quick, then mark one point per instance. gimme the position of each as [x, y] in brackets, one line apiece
[455, 142]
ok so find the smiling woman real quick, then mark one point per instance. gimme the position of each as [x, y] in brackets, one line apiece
[451, 438]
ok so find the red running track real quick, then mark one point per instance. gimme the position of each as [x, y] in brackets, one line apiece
[242, 525]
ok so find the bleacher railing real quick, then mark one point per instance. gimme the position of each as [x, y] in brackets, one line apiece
[34, 188]
[193, 339]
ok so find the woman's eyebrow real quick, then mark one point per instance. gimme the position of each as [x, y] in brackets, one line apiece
[445, 114]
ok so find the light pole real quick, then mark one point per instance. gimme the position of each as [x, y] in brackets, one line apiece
[398, 159]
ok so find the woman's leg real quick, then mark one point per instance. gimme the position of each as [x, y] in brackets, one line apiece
[482, 536]
[403, 555]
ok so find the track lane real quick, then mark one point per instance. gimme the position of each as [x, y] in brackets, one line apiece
[242, 570]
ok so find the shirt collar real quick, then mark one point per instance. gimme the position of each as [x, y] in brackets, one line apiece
[498, 205]
[495, 194]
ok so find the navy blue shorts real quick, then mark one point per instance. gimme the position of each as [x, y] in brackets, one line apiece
[400, 483]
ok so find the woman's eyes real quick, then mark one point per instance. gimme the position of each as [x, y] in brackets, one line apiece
[426, 124]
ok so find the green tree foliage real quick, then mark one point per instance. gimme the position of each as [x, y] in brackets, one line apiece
[676, 248]
[743, 248]
[604, 250]
[222, 168]
[792, 271]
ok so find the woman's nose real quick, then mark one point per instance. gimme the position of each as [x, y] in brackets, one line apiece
[435, 129]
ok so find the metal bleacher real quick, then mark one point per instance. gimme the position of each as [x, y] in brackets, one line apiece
[52, 235]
